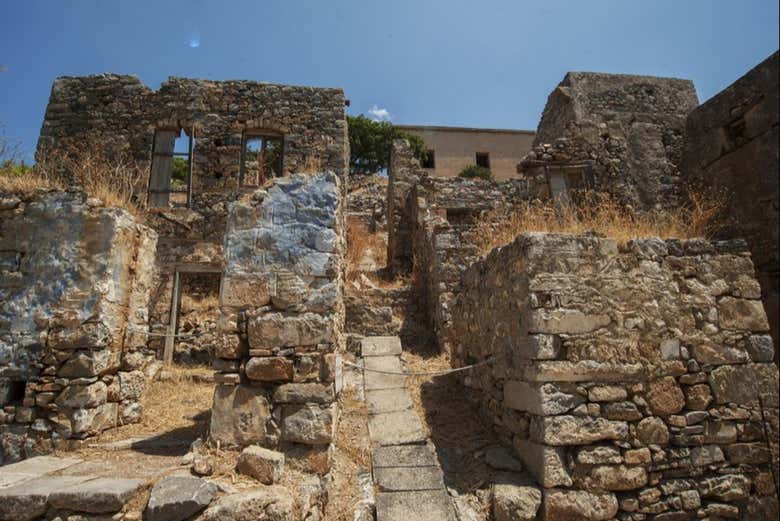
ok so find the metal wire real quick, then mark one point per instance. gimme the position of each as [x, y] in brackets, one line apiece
[425, 373]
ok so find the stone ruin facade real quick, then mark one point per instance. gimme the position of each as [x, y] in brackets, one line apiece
[618, 134]
[731, 143]
[75, 280]
[282, 319]
[632, 381]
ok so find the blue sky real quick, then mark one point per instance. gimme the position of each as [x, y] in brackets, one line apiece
[443, 62]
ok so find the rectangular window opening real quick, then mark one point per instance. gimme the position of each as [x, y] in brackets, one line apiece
[483, 159]
[429, 159]
[261, 158]
[170, 184]
[11, 392]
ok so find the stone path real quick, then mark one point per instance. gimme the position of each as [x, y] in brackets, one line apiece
[29, 488]
[406, 472]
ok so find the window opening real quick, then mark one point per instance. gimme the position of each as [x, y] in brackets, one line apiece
[261, 159]
[170, 183]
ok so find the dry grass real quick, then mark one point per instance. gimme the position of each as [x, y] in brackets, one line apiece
[112, 181]
[178, 406]
[364, 249]
[597, 212]
[351, 456]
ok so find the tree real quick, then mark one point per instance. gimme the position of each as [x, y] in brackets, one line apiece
[370, 143]
[476, 172]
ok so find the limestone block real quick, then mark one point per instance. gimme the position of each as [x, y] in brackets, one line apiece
[269, 369]
[86, 364]
[729, 487]
[742, 314]
[598, 455]
[652, 431]
[131, 385]
[540, 399]
[621, 411]
[262, 464]
[748, 453]
[607, 393]
[94, 420]
[276, 330]
[744, 384]
[576, 430]
[273, 503]
[516, 502]
[239, 415]
[176, 498]
[698, 397]
[308, 424]
[565, 505]
[618, 477]
[584, 371]
[760, 348]
[246, 291]
[665, 396]
[546, 463]
[706, 455]
[569, 321]
[83, 396]
[230, 346]
[539, 347]
[96, 496]
[303, 393]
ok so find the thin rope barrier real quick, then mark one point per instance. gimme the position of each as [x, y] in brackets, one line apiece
[425, 373]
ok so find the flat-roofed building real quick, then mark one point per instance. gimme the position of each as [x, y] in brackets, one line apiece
[451, 149]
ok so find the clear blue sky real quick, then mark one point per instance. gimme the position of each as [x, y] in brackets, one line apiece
[443, 62]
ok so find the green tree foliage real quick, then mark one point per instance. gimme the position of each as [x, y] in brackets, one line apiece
[370, 143]
[179, 176]
[476, 172]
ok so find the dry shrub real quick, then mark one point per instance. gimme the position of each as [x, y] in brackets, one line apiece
[112, 180]
[597, 212]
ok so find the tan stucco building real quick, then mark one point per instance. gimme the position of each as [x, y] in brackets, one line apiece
[454, 148]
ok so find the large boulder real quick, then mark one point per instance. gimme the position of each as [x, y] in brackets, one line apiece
[177, 498]
[268, 503]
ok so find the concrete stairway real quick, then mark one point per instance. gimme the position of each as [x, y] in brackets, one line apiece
[406, 472]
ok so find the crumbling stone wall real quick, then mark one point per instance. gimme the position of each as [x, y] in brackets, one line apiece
[731, 143]
[282, 317]
[445, 237]
[403, 173]
[118, 115]
[618, 134]
[75, 278]
[633, 382]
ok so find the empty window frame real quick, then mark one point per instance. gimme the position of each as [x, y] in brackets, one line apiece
[483, 159]
[562, 183]
[170, 183]
[428, 159]
[261, 158]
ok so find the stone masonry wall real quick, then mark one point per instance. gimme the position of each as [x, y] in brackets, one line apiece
[445, 212]
[75, 278]
[634, 382]
[282, 317]
[619, 134]
[403, 173]
[118, 115]
[731, 143]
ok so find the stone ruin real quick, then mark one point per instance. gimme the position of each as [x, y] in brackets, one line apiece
[634, 381]
[631, 380]
[75, 280]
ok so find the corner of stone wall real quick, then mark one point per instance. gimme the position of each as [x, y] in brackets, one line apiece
[631, 381]
[282, 319]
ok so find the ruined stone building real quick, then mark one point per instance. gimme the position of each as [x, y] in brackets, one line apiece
[451, 149]
[632, 381]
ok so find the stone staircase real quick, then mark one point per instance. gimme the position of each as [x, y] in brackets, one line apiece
[405, 469]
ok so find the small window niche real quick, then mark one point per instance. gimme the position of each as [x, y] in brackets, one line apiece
[11, 392]
[170, 184]
[483, 159]
[428, 159]
[261, 158]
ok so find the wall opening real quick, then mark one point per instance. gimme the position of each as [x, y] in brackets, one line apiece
[170, 183]
[261, 158]
[192, 331]
[428, 159]
[483, 159]
[11, 392]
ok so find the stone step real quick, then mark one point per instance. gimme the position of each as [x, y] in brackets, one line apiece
[404, 456]
[380, 346]
[396, 428]
[388, 400]
[395, 479]
[374, 380]
[414, 506]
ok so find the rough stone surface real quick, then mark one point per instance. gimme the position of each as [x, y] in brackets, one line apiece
[564, 505]
[177, 498]
[262, 464]
[516, 502]
[268, 503]
[96, 496]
